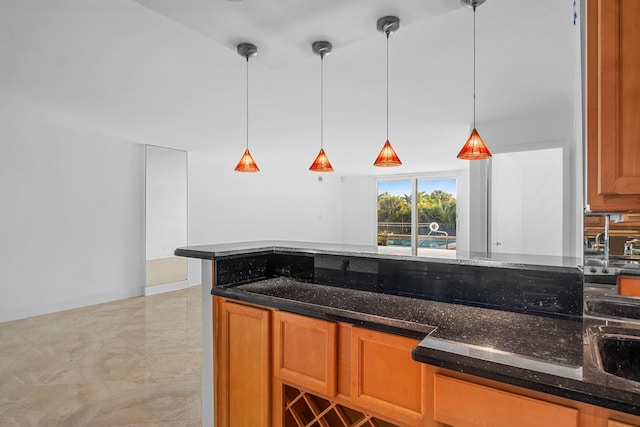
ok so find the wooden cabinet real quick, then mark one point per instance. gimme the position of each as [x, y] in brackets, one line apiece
[629, 286]
[465, 404]
[612, 423]
[613, 110]
[282, 369]
[384, 378]
[243, 368]
[366, 370]
[304, 352]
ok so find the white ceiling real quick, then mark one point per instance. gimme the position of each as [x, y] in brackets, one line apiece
[165, 72]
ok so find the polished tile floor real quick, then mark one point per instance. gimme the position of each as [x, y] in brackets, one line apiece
[134, 362]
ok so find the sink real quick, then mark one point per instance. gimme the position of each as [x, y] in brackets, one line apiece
[611, 308]
[617, 351]
[620, 261]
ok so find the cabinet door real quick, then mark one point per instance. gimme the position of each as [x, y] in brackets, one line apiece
[613, 110]
[465, 404]
[304, 352]
[384, 377]
[244, 366]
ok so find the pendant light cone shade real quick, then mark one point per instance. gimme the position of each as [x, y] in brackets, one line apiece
[474, 148]
[387, 156]
[321, 163]
[246, 163]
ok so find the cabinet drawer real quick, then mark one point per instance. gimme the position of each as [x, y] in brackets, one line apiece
[384, 378]
[629, 286]
[464, 404]
[304, 352]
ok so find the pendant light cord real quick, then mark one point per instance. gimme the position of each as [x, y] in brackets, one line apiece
[388, 32]
[474, 64]
[247, 102]
[322, 101]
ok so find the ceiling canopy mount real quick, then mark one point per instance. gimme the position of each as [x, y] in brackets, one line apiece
[321, 48]
[472, 4]
[388, 24]
[247, 50]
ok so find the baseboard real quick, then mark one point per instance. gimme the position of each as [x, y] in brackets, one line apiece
[39, 310]
[167, 287]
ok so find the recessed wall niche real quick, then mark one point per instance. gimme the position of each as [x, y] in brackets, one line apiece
[166, 218]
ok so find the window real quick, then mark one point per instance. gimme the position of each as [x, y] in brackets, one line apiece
[395, 208]
[437, 215]
[417, 217]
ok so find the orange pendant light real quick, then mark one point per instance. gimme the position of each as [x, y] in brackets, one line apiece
[474, 148]
[321, 163]
[246, 163]
[387, 156]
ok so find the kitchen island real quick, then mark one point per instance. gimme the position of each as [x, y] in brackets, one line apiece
[508, 323]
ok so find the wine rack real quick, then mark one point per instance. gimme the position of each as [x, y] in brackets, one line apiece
[302, 409]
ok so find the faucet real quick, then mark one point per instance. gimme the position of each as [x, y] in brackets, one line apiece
[607, 218]
[605, 243]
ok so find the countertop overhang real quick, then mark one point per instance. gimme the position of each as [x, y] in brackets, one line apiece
[214, 251]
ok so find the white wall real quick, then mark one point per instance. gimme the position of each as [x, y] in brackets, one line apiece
[560, 123]
[273, 204]
[166, 201]
[72, 219]
[527, 202]
[546, 130]
[359, 210]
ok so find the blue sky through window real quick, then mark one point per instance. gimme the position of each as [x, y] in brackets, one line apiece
[395, 188]
[446, 185]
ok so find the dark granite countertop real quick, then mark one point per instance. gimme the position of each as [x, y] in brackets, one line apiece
[214, 251]
[242, 248]
[543, 353]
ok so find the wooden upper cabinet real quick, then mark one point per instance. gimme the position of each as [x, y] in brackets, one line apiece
[304, 352]
[613, 105]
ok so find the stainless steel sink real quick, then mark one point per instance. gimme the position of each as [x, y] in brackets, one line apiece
[607, 306]
[616, 350]
[620, 261]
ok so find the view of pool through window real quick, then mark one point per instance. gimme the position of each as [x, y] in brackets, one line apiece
[434, 202]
